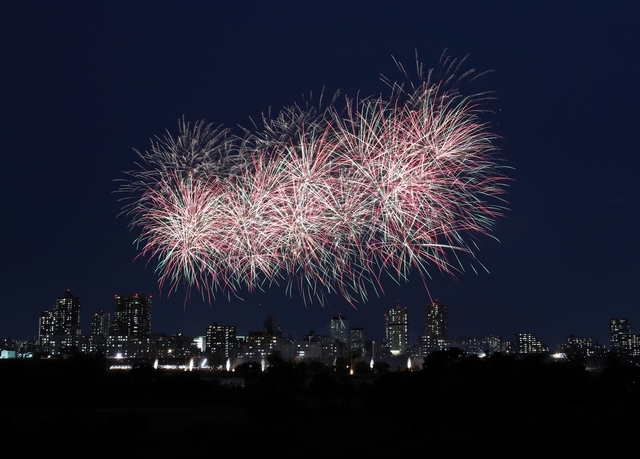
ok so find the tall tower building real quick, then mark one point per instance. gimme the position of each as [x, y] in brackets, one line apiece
[63, 322]
[100, 323]
[359, 340]
[396, 324]
[620, 336]
[132, 316]
[339, 330]
[67, 315]
[435, 333]
[221, 339]
[436, 320]
[46, 326]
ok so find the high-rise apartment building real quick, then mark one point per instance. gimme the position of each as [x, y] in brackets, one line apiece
[221, 339]
[339, 329]
[396, 324]
[67, 312]
[436, 320]
[63, 322]
[359, 340]
[100, 323]
[132, 316]
[620, 337]
[46, 326]
[435, 332]
[526, 343]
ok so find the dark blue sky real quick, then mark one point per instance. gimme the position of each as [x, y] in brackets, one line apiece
[84, 83]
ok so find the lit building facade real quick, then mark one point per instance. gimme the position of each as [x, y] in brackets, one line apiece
[132, 316]
[436, 319]
[435, 332]
[526, 343]
[479, 345]
[313, 346]
[307, 349]
[359, 340]
[620, 337]
[592, 353]
[256, 345]
[339, 329]
[59, 328]
[396, 324]
[100, 323]
[221, 339]
[46, 326]
[67, 315]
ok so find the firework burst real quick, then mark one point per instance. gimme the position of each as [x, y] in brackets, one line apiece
[322, 200]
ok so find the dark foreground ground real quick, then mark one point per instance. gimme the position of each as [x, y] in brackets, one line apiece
[456, 405]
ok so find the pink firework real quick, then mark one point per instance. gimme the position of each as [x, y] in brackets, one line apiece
[323, 201]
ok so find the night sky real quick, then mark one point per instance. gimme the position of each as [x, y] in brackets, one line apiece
[86, 83]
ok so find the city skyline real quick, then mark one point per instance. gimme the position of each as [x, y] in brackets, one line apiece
[132, 318]
[87, 84]
[129, 336]
[417, 327]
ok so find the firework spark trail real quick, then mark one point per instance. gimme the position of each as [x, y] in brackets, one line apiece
[177, 231]
[321, 200]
